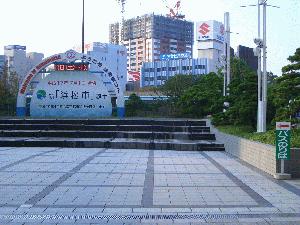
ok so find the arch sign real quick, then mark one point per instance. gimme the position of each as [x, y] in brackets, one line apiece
[68, 56]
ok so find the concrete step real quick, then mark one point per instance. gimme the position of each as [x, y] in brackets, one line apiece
[83, 127]
[165, 122]
[107, 134]
[117, 143]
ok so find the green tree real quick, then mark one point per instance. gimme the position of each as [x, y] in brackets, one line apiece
[8, 86]
[176, 85]
[134, 105]
[242, 96]
[203, 98]
[284, 93]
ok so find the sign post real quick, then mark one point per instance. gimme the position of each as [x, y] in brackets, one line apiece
[283, 145]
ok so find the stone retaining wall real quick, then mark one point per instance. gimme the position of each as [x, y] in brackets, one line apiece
[262, 156]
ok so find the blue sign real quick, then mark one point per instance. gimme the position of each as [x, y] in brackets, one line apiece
[183, 55]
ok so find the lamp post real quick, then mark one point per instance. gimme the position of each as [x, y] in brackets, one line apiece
[262, 78]
[82, 29]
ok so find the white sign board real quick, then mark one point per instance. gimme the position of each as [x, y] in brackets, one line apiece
[210, 30]
[71, 94]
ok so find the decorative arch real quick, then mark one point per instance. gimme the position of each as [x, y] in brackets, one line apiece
[68, 56]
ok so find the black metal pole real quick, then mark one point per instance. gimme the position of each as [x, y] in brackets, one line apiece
[82, 43]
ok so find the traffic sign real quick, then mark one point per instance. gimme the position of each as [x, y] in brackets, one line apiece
[283, 140]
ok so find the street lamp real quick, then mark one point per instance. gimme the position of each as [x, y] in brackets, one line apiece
[82, 29]
[262, 79]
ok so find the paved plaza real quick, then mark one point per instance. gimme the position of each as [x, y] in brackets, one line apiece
[117, 186]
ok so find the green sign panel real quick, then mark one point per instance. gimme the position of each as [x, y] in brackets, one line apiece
[283, 140]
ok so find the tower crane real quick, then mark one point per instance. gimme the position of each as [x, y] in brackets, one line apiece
[174, 11]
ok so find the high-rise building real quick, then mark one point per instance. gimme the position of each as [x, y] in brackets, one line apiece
[147, 37]
[20, 62]
[33, 58]
[247, 54]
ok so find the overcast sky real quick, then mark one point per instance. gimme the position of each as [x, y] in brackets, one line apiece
[54, 26]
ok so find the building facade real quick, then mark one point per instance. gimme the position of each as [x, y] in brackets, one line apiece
[156, 73]
[247, 54]
[2, 64]
[210, 37]
[114, 57]
[147, 37]
[18, 61]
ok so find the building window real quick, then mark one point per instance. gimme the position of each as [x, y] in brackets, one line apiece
[200, 67]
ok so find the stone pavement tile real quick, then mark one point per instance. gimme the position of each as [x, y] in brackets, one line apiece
[264, 209]
[222, 220]
[235, 210]
[7, 210]
[252, 220]
[285, 223]
[147, 210]
[206, 210]
[88, 210]
[117, 210]
[59, 210]
[55, 221]
[283, 219]
[176, 210]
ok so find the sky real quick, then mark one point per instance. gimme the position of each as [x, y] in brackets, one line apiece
[54, 26]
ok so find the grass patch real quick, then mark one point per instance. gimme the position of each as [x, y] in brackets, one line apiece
[267, 137]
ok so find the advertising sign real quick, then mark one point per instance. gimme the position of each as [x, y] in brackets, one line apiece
[183, 55]
[210, 30]
[71, 94]
[283, 143]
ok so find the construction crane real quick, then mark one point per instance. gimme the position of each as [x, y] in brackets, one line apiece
[174, 11]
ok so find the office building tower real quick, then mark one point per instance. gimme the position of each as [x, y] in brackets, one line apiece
[147, 37]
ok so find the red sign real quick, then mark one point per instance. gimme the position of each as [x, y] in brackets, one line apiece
[204, 28]
[71, 67]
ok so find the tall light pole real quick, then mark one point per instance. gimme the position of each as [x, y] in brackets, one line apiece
[265, 79]
[82, 29]
[259, 80]
[226, 53]
[262, 79]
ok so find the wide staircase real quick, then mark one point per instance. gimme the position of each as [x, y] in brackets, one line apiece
[158, 134]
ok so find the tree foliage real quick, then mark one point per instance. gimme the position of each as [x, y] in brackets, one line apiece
[175, 86]
[242, 96]
[295, 63]
[8, 87]
[134, 105]
[203, 98]
[284, 93]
